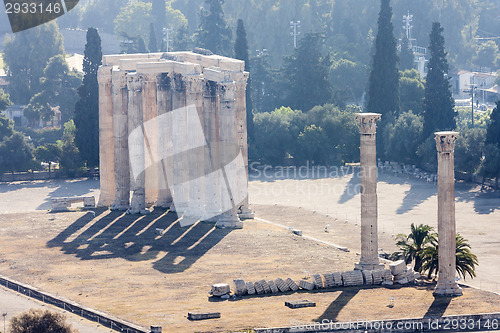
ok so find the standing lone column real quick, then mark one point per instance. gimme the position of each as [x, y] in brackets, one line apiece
[446, 285]
[367, 123]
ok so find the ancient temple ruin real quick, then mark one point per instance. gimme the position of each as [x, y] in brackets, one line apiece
[173, 134]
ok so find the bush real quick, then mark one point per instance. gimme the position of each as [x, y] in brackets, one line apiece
[40, 322]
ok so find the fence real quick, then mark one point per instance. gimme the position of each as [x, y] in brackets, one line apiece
[84, 312]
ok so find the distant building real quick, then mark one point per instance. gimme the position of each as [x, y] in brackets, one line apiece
[15, 113]
[461, 82]
[75, 62]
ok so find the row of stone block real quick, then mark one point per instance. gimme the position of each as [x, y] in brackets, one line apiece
[318, 281]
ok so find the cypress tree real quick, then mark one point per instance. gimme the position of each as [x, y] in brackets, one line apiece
[406, 58]
[241, 53]
[213, 32]
[153, 45]
[87, 106]
[493, 131]
[383, 96]
[439, 113]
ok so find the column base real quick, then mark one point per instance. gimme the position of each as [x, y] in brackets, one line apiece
[144, 211]
[104, 202]
[162, 203]
[229, 221]
[369, 264]
[447, 289]
[119, 206]
[246, 213]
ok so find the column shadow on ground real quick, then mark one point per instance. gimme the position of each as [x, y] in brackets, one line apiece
[438, 307]
[138, 238]
[352, 188]
[333, 310]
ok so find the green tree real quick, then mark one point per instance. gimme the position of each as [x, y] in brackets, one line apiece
[469, 149]
[490, 165]
[27, 55]
[466, 261]
[183, 41]
[406, 57]
[159, 14]
[153, 46]
[70, 160]
[411, 91]
[266, 85]
[403, 138]
[281, 127]
[37, 111]
[312, 145]
[48, 153]
[133, 20]
[348, 80]
[58, 87]
[411, 246]
[41, 322]
[486, 54]
[101, 13]
[4, 100]
[307, 73]
[384, 76]
[340, 128]
[213, 32]
[87, 107]
[6, 127]
[241, 53]
[15, 154]
[439, 113]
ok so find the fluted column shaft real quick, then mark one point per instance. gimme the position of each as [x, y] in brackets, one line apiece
[446, 285]
[368, 176]
[106, 141]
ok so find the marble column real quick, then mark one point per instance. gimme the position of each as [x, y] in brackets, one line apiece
[211, 115]
[229, 150]
[367, 123]
[446, 285]
[196, 144]
[165, 144]
[241, 127]
[136, 144]
[120, 128]
[151, 137]
[106, 145]
[180, 144]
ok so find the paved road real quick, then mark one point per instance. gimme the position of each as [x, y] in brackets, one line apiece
[13, 304]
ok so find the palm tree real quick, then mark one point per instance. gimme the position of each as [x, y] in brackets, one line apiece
[412, 246]
[466, 261]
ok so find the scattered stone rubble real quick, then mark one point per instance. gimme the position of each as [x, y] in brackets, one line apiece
[402, 273]
[398, 273]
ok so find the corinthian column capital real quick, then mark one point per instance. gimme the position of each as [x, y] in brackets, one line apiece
[367, 122]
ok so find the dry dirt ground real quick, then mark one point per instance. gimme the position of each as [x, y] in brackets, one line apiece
[119, 264]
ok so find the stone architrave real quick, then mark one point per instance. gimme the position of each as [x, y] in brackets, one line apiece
[120, 129]
[446, 285]
[106, 141]
[367, 123]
